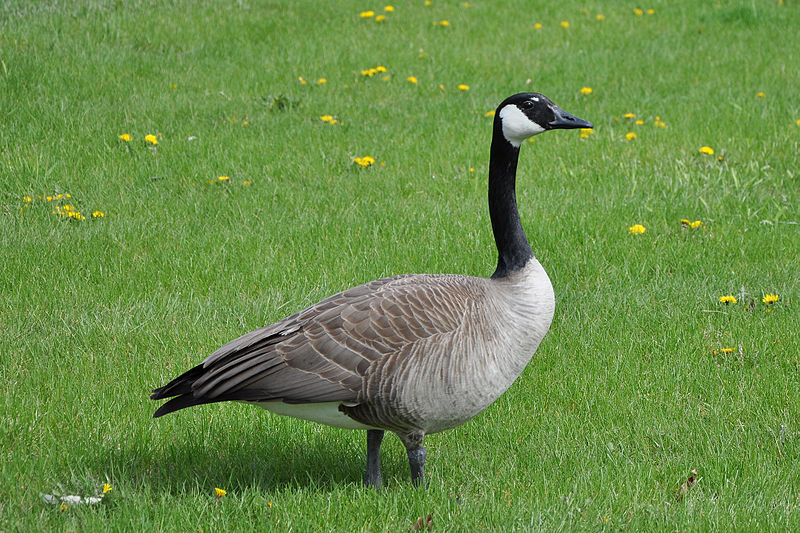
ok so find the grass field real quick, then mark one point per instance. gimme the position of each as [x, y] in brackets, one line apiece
[644, 376]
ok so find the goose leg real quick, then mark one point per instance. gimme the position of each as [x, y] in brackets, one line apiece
[373, 476]
[416, 455]
[416, 459]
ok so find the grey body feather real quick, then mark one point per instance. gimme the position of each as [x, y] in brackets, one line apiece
[415, 354]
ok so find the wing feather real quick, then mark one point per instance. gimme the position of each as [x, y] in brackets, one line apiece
[324, 353]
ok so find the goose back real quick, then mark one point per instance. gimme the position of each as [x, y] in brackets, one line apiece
[422, 352]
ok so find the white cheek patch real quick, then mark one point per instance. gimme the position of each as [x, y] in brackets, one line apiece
[516, 126]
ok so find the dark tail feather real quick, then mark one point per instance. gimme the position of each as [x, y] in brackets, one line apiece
[182, 402]
[182, 388]
[180, 385]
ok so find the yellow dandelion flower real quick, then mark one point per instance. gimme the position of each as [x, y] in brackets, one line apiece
[223, 178]
[629, 115]
[760, 95]
[380, 68]
[639, 122]
[631, 135]
[367, 14]
[444, 23]
[126, 137]
[99, 214]
[691, 224]
[600, 16]
[489, 113]
[247, 182]
[389, 9]
[538, 26]
[27, 199]
[727, 300]
[770, 298]
[107, 488]
[658, 123]
[586, 90]
[63, 507]
[150, 138]
[707, 150]
[380, 18]
[428, 3]
[638, 12]
[301, 80]
[322, 81]
[219, 493]
[441, 87]
[650, 11]
[364, 162]
[636, 229]
[463, 87]
[726, 350]
[326, 118]
[798, 121]
[564, 24]
[412, 79]
[586, 133]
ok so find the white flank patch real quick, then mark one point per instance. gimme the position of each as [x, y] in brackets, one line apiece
[516, 126]
[327, 413]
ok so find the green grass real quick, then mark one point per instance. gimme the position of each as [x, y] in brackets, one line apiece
[625, 396]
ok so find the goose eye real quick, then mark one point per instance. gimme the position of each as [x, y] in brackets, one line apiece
[527, 104]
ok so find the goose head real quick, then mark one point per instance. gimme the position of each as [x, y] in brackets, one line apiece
[527, 114]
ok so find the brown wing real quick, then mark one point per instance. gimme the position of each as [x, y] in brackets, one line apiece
[322, 353]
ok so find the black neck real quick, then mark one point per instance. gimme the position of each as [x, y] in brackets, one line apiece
[513, 249]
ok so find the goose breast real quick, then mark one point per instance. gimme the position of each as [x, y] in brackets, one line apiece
[438, 382]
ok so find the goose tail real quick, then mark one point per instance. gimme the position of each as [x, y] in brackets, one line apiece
[181, 387]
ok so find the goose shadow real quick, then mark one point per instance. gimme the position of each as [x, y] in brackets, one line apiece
[268, 462]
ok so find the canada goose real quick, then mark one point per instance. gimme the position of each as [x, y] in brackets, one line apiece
[412, 354]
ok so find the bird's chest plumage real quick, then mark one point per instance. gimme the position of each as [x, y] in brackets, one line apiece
[450, 378]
